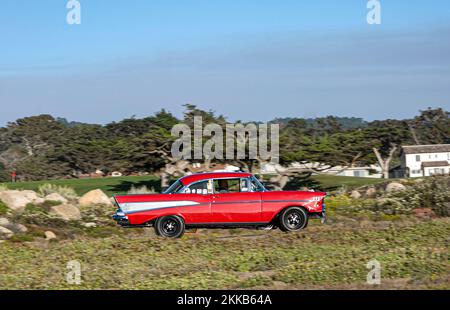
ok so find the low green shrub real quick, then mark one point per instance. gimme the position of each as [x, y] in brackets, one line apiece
[432, 193]
[32, 209]
[100, 214]
[337, 202]
[3, 208]
[140, 190]
[50, 203]
[38, 215]
[102, 232]
[257, 280]
[391, 206]
[22, 238]
[65, 191]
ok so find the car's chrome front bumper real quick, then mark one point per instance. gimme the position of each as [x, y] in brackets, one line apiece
[324, 218]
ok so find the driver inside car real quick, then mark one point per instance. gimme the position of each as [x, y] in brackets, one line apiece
[223, 186]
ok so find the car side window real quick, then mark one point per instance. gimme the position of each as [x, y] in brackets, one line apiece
[245, 185]
[227, 186]
[202, 188]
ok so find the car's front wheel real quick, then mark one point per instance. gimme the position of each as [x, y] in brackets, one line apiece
[293, 219]
[171, 226]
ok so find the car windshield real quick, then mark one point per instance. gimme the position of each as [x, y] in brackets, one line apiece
[257, 185]
[174, 188]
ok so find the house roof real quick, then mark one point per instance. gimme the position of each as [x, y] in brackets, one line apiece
[442, 163]
[433, 148]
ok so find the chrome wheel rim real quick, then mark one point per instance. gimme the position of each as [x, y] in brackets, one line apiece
[294, 220]
[170, 227]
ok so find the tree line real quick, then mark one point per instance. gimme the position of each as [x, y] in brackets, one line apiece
[44, 147]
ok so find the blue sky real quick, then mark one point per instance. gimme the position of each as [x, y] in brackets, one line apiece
[246, 59]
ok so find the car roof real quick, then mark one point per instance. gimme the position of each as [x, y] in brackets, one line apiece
[212, 175]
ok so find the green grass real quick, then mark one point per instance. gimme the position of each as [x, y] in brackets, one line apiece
[332, 182]
[321, 256]
[123, 184]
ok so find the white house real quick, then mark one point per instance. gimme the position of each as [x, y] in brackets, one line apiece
[425, 160]
[372, 171]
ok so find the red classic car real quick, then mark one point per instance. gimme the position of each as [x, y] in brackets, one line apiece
[211, 200]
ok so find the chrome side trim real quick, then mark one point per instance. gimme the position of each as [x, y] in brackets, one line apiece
[141, 206]
[135, 207]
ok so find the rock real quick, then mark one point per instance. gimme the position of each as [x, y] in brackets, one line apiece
[20, 228]
[66, 212]
[4, 222]
[5, 233]
[371, 192]
[39, 201]
[55, 197]
[16, 228]
[94, 197]
[89, 225]
[425, 213]
[30, 195]
[18, 200]
[355, 195]
[395, 187]
[50, 235]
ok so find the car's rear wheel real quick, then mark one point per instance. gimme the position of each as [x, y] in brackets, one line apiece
[171, 226]
[293, 219]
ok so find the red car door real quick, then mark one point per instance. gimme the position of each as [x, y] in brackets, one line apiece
[201, 193]
[230, 204]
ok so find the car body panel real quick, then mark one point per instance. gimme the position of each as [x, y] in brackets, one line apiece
[221, 209]
[236, 207]
[274, 202]
[144, 208]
